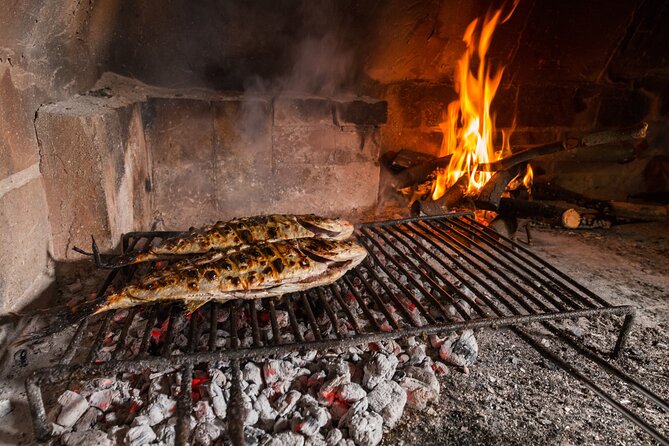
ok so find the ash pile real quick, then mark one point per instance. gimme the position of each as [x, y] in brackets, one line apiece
[341, 397]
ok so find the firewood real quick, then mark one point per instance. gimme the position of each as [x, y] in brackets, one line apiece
[591, 140]
[419, 173]
[453, 196]
[640, 211]
[552, 192]
[490, 194]
[406, 159]
[558, 216]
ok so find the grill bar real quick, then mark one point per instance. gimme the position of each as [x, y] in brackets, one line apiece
[422, 276]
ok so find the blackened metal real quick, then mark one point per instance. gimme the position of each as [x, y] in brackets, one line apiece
[623, 335]
[184, 405]
[276, 335]
[254, 323]
[334, 288]
[120, 346]
[502, 282]
[293, 320]
[236, 408]
[315, 329]
[601, 393]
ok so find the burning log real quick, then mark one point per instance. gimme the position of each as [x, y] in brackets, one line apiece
[420, 173]
[491, 193]
[452, 197]
[592, 140]
[406, 159]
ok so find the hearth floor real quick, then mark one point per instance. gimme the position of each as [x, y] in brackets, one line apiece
[511, 395]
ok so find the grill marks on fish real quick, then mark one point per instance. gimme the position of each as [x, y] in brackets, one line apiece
[263, 270]
[239, 233]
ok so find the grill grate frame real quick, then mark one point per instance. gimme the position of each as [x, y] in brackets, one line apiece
[418, 269]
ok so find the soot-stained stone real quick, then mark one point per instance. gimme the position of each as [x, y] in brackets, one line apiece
[361, 112]
[622, 107]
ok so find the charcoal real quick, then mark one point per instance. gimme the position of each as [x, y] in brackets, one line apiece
[351, 392]
[102, 399]
[88, 419]
[275, 370]
[140, 420]
[392, 411]
[417, 354]
[206, 433]
[203, 411]
[460, 350]
[218, 378]
[166, 433]
[220, 406]
[334, 437]
[252, 374]
[315, 440]
[266, 413]
[328, 392]
[93, 436]
[286, 439]
[356, 408]
[339, 409]
[73, 407]
[5, 407]
[366, 428]
[440, 368]
[139, 435]
[286, 403]
[380, 396]
[160, 409]
[250, 415]
[281, 425]
[380, 367]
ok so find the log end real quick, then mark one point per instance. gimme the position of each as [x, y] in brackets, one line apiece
[571, 219]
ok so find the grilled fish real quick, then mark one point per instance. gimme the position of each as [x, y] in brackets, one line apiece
[257, 271]
[235, 233]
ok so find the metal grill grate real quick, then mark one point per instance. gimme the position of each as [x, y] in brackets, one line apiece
[423, 276]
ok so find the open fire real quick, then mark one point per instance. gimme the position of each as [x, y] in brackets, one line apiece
[470, 126]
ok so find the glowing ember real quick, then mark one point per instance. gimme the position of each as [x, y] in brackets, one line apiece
[469, 127]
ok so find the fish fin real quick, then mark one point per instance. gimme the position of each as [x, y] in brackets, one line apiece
[193, 304]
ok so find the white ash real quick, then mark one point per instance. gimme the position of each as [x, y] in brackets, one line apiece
[73, 406]
[93, 436]
[140, 435]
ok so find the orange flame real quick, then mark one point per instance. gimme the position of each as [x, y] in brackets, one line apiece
[469, 128]
[528, 178]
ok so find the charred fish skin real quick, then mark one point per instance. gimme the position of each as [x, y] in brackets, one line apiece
[263, 270]
[239, 232]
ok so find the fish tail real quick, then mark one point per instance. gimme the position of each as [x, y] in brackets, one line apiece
[64, 317]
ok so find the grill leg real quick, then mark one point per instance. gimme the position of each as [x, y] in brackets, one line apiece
[623, 335]
[184, 404]
[40, 422]
[236, 407]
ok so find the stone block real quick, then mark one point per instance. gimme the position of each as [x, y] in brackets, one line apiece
[325, 145]
[302, 111]
[361, 111]
[24, 243]
[179, 134]
[327, 190]
[243, 148]
[91, 150]
[18, 145]
[547, 106]
[622, 107]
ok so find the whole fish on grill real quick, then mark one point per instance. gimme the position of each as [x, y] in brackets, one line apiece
[235, 233]
[257, 271]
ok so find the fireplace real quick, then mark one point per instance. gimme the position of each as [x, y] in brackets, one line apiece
[131, 122]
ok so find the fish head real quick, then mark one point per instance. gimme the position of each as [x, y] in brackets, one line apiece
[329, 228]
[332, 250]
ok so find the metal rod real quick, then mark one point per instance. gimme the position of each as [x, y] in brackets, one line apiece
[293, 320]
[213, 325]
[328, 311]
[624, 411]
[150, 323]
[624, 334]
[100, 338]
[276, 334]
[184, 405]
[236, 408]
[361, 303]
[315, 329]
[351, 318]
[254, 323]
[389, 317]
[120, 344]
[397, 303]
